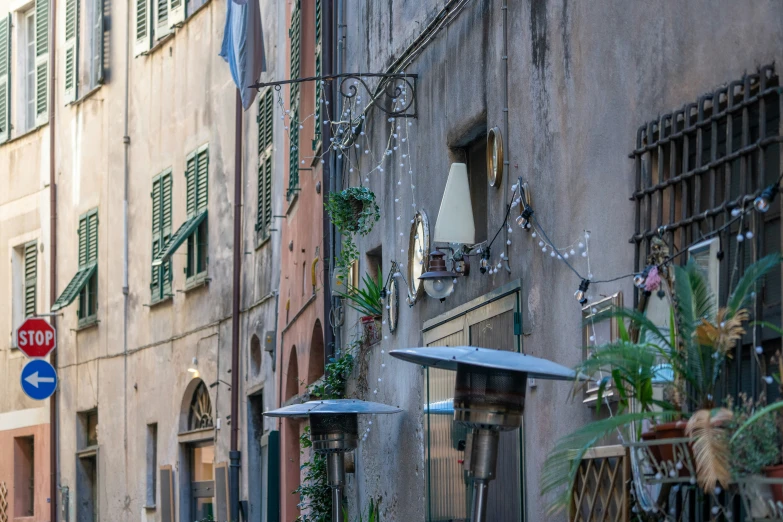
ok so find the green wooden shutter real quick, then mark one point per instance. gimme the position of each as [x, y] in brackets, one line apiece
[319, 86]
[190, 178]
[83, 239]
[160, 285]
[295, 35]
[71, 49]
[143, 28]
[5, 78]
[202, 175]
[166, 190]
[30, 277]
[265, 148]
[176, 12]
[99, 28]
[41, 61]
[156, 239]
[92, 226]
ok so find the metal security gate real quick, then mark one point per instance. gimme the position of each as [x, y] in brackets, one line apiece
[488, 322]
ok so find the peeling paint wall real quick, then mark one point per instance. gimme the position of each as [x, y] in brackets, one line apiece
[582, 78]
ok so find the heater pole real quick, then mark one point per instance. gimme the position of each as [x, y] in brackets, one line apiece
[335, 470]
[483, 461]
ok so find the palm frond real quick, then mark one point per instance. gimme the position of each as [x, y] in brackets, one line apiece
[747, 283]
[367, 299]
[707, 429]
[562, 463]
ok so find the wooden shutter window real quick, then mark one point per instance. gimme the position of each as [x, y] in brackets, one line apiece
[176, 12]
[71, 49]
[160, 285]
[166, 494]
[30, 277]
[319, 88]
[41, 62]
[143, 33]
[265, 148]
[202, 171]
[5, 78]
[222, 511]
[99, 28]
[162, 19]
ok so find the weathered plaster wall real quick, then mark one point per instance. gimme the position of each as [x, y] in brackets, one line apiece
[24, 217]
[301, 310]
[181, 97]
[582, 78]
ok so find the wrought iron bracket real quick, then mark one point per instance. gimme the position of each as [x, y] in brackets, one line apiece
[394, 94]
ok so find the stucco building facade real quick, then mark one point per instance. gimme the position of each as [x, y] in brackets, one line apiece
[582, 81]
[24, 277]
[144, 166]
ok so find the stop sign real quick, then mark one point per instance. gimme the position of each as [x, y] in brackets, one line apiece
[36, 337]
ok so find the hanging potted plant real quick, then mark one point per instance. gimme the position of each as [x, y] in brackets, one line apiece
[352, 211]
[368, 301]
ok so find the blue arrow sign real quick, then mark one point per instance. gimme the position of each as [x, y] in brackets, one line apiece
[39, 379]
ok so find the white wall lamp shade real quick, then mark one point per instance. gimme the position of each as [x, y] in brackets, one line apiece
[455, 217]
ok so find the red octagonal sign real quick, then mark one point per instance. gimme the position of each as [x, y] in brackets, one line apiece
[36, 337]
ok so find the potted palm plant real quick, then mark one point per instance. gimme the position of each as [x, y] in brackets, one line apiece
[695, 349]
[367, 301]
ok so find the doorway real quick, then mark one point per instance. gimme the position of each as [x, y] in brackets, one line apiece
[493, 322]
[202, 481]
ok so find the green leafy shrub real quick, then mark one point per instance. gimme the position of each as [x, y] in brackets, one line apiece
[352, 211]
[315, 496]
[758, 445]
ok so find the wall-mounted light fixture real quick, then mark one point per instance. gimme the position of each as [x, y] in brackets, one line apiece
[193, 369]
[456, 227]
[526, 210]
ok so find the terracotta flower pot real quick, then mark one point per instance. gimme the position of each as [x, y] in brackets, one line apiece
[670, 430]
[775, 472]
[655, 450]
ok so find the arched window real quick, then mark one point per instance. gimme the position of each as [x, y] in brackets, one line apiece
[200, 415]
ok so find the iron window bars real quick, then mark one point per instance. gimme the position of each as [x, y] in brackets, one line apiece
[693, 166]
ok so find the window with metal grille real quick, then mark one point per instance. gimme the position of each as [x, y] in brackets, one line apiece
[160, 282]
[693, 166]
[88, 257]
[295, 36]
[265, 148]
[319, 85]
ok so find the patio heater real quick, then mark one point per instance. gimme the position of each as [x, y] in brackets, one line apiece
[334, 430]
[489, 397]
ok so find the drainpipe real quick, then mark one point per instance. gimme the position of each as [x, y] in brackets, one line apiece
[330, 172]
[506, 154]
[53, 468]
[234, 455]
[125, 285]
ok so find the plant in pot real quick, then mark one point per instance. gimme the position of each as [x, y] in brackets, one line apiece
[368, 302]
[763, 430]
[352, 211]
[694, 349]
[755, 451]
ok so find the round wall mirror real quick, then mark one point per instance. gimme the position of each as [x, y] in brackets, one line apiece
[418, 255]
[494, 157]
[393, 303]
